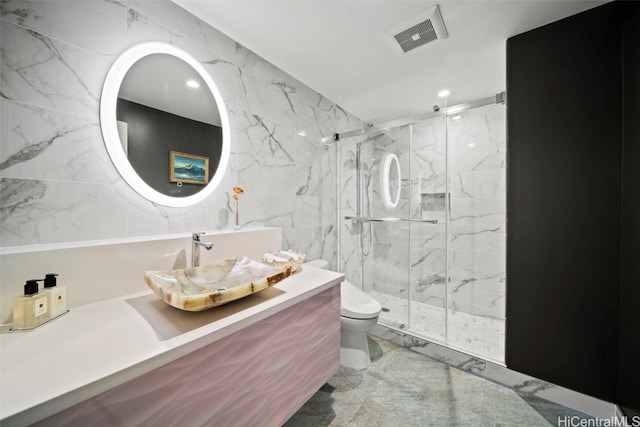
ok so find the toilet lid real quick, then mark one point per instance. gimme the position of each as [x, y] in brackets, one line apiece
[356, 304]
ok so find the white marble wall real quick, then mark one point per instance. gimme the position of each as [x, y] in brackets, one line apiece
[57, 181]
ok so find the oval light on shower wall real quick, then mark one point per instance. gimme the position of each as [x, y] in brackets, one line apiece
[390, 165]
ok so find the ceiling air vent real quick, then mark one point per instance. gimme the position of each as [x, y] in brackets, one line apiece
[419, 30]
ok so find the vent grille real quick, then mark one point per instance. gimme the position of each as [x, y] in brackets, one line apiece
[416, 36]
[419, 30]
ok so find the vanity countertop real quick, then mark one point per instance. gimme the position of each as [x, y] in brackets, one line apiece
[98, 346]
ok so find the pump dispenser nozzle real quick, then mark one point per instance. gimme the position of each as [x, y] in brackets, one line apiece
[50, 280]
[31, 287]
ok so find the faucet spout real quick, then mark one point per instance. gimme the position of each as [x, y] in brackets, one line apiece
[196, 242]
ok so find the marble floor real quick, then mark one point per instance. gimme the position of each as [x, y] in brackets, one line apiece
[403, 388]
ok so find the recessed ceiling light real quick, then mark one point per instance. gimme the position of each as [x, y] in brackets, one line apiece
[193, 84]
[456, 117]
[302, 133]
[443, 93]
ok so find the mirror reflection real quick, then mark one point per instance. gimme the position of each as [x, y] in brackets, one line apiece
[390, 180]
[169, 125]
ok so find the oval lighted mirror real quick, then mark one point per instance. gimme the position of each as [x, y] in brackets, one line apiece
[165, 124]
[390, 180]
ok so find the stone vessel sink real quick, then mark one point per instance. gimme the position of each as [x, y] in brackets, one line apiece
[207, 286]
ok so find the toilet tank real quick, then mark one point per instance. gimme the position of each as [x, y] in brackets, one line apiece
[319, 263]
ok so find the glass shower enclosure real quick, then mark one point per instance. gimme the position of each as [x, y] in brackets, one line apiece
[422, 224]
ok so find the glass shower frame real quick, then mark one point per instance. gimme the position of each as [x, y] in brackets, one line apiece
[424, 217]
[370, 222]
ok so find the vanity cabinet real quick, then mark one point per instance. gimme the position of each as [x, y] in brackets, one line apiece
[260, 375]
[135, 360]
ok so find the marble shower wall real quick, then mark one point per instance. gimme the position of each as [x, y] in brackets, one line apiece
[477, 236]
[57, 181]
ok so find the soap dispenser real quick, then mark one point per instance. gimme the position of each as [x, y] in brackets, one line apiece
[56, 295]
[32, 309]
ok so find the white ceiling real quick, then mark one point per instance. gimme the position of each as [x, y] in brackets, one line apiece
[340, 49]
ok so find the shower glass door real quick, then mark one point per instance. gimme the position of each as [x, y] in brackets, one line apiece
[428, 229]
[386, 177]
[393, 236]
[434, 254]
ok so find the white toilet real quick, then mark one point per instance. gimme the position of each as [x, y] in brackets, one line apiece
[358, 315]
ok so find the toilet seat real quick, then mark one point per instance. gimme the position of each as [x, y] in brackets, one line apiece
[356, 304]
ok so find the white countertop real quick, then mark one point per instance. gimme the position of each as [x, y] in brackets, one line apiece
[96, 347]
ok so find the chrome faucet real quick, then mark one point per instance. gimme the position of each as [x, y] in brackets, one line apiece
[195, 248]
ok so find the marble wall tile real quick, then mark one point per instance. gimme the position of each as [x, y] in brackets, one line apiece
[486, 238]
[42, 71]
[387, 268]
[327, 115]
[44, 144]
[428, 163]
[320, 180]
[489, 212]
[477, 284]
[72, 21]
[428, 267]
[269, 99]
[478, 132]
[353, 238]
[55, 55]
[348, 180]
[168, 14]
[481, 297]
[141, 28]
[58, 211]
[312, 210]
[315, 242]
[266, 209]
[489, 183]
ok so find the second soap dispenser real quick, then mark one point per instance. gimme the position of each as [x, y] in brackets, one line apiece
[56, 295]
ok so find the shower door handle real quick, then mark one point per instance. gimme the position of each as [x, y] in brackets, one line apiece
[362, 219]
[357, 219]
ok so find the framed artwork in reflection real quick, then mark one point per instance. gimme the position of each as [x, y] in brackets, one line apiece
[188, 168]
